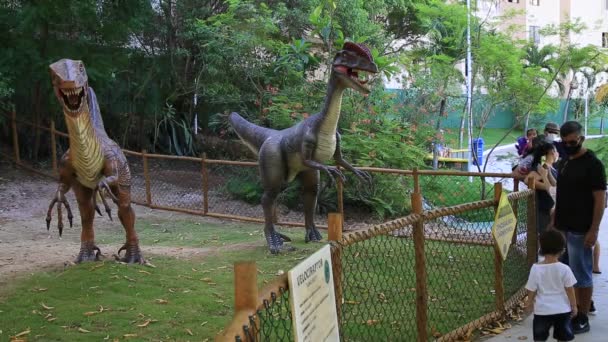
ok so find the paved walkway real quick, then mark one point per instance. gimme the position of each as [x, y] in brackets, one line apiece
[599, 323]
[502, 160]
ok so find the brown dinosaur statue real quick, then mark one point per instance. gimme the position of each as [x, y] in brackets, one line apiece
[93, 164]
[300, 150]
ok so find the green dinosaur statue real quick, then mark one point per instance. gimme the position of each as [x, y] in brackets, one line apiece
[93, 164]
[301, 150]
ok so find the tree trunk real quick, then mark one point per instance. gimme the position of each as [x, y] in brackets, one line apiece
[602, 125]
[44, 35]
[436, 140]
[565, 117]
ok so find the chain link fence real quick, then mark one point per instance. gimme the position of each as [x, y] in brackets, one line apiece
[433, 273]
[231, 189]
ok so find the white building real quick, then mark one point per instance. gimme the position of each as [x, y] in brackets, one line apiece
[528, 17]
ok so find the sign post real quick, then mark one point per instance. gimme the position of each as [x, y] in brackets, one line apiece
[313, 300]
[504, 225]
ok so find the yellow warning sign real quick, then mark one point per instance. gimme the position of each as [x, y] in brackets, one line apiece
[504, 225]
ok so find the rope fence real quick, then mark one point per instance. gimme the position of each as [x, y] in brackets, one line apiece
[428, 276]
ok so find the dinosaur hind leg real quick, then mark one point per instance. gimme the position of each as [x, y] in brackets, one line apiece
[127, 218]
[273, 169]
[88, 250]
[310, 189]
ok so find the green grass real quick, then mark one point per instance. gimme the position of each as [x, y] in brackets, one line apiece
[199, 292]
[193, 234]
[490, 137]
[192, 299]
[380, 288]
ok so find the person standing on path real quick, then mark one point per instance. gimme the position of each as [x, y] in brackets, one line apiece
[550, 291]
[581, 196]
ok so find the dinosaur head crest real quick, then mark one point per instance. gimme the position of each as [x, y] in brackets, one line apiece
[350, 61]
[70, 83]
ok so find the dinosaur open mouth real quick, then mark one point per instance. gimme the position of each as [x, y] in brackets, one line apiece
[356, 75]
[72, 98]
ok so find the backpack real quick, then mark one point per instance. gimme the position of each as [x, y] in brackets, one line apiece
[522, 142]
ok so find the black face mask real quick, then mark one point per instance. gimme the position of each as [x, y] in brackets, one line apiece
[572, 150]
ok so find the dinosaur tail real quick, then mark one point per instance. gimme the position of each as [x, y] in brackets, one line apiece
[252, 135]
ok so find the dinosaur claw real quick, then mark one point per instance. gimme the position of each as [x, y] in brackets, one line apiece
[276, 242]
[109, 211]
[88, 252]
[132, 254]
[48, 223]
[313, 235]
[98, 210]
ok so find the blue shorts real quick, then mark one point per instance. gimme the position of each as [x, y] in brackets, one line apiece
[580, 259]
[561, 323]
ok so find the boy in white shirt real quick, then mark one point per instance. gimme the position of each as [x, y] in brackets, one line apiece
[551, 292]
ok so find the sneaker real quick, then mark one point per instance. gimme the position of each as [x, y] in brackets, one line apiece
[592, 310]
[580, 324]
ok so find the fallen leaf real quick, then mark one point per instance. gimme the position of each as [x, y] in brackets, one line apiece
[161, 301]
[145, 272]
[189, 332]
[129, 279]
[129, 335]
[51, 319]
[144, 324]
[84, 331]
[41, 289]
[372, 321]
[207, 280]
[351, 302]
[23, 333]
[46, 307]
[202, 324]
[90, 313]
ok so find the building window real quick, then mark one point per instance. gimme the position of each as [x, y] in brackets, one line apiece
[536, 2]
[535, 34]
[517, 1]
[605, 39]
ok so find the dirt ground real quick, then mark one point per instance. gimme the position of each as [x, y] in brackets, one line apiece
[25, 244]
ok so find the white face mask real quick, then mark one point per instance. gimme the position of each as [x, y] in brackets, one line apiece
[551, 137]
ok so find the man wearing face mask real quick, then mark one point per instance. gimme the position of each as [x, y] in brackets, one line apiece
[581, 196]
[551, 134]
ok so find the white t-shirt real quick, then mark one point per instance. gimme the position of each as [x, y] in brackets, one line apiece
[549, 281]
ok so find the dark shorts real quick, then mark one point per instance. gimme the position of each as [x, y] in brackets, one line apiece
[561, 323]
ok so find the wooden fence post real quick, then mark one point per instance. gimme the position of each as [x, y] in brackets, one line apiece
[54, 149]
[532, 247]
[416, 177]
[205, 184]
[334, 233]
[245, 286]
[340, 191]
[515, 210]
[147, 179]
[15, 136]
[420, 265]
[499, 290]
